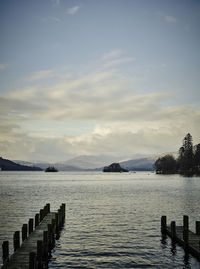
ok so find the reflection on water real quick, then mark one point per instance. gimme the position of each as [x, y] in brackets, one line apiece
[112, 220]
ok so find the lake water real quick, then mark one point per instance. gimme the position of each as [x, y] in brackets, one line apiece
[112, 220]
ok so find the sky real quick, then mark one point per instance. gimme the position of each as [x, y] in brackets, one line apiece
[90, 77]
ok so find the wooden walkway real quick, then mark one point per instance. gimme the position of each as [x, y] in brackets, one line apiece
[35, 250]
[183, 236]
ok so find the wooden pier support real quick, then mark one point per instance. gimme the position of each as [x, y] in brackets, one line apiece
[163, 224]
[36, 220]
[16, 240]
[5, 250]
[32, 260]
[30, 226]
[173, 230]
[24, 231]
[198, 227]
[182, 235]
[35, 250]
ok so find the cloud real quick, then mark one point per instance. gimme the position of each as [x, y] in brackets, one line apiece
[112, 54]
[114, 58]
[43, 74]
[55, 2]
[122, 121]
[51, 19]
[170, 19]
[56, 19]
[3, 67]
[73, 10]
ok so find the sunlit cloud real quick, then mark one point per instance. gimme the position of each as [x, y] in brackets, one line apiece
[73, 10]
[43, 74]
[112, 54]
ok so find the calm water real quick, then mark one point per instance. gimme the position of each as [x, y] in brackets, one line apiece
[112, 220]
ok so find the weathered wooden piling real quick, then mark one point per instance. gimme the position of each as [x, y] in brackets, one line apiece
[5, 251]
[35, 250]
[30, 226]
[41, 214]
[182, 235]
[39, 253]
[163, 224]
[32, 260]
[198, 227]
[173, 230]
[36, 220]
[24, 231]
[16, 240]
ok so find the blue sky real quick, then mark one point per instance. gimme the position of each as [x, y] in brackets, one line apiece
[88, 76]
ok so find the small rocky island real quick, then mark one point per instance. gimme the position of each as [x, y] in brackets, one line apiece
[51, 169]
[114, 167]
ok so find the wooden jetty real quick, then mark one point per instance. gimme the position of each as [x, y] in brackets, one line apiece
[35, 250]
[182, 235]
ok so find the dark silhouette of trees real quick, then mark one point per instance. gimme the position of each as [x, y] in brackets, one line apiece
[166, 165]
[197, 159]
[185, 160]
[187, 163]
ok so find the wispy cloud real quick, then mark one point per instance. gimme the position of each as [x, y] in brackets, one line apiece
[112, 54]
[51, 19]
[56, 2]
[3, 66]
[73, 10]
[44, 74]
[56, 19]
[170, 19]
[114, 58]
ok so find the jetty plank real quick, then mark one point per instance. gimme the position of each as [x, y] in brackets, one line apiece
[43, 235]
[183, 236]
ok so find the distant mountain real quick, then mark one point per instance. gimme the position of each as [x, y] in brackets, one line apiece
[42, 165]
[143, 164]
[91, 162]
[86, 162]
[7, 165]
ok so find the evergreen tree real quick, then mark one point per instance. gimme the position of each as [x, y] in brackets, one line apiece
[197, 159]
[186, 156]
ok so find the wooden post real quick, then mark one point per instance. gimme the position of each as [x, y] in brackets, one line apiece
[16, 240]
[5, 250]
[185, 223]
[185, 231]
[63, 209]
[48, 208]
[45, 246]
[57, 225]
[24, 231]
[59, 218]
[41, 214]
[163, 224]
[49, 236]
[53, 221]
[173, 230]
[30, 226]
[39, 253]
[36, 220]
[32, 258]
[44, 211]
[198, 227]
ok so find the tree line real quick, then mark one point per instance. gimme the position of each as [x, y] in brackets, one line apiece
[187, 163]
